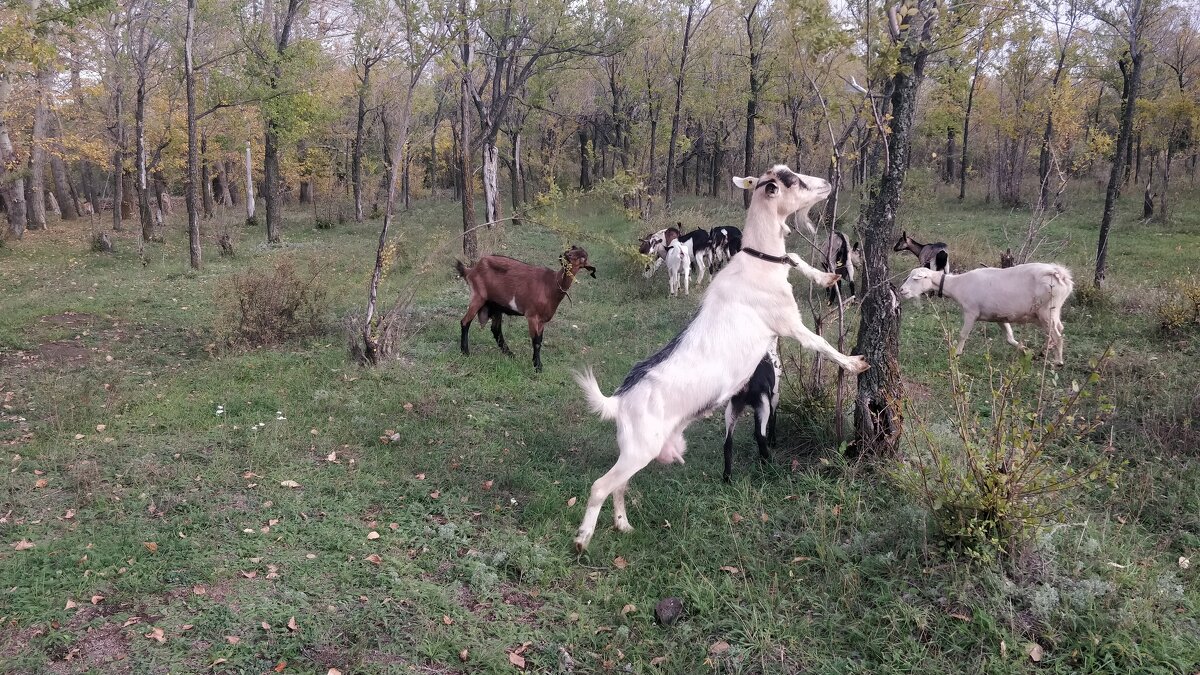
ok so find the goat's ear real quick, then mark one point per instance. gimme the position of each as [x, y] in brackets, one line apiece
[746, 183]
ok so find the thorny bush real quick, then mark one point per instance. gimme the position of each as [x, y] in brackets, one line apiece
[270, 307]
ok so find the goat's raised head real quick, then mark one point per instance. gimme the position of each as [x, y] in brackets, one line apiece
[903, 242]
[782, 192]
[575, 259]
[919, 282]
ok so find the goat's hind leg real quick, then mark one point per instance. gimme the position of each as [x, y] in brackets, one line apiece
[498, 333]
[732, 412]
[633, 459]
[472, 310]
[762, 422]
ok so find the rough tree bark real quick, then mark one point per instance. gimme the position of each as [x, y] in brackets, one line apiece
[878, 418]
[11, 182]
[962, 162]
[757, 82]
[359, 133]
[37, 152]
[193, 155]
[271, 173]
[688, 31]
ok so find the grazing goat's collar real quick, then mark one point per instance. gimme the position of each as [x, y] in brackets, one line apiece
[941, 284]
[779, 259]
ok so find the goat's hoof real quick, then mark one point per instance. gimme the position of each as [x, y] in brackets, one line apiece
[858, 364]
[581, 543]
[623, 526]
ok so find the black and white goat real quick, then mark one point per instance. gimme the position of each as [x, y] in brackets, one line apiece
[696, 241]
[761, 394]
[842, 259]
[724, 241]
[746, 307]
[930, 256]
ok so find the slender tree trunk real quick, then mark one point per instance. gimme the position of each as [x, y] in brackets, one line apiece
[143, 194]
[751, 104]
[470, 241]
[491, 181]
[962, 162]
[948, 174]
[249, 185]
[515, 174]
[357, 151]
[206, 191]
[1162, 216]
[679, 77]
[585, 162]
[225, 196]
[306, 182]
[193, 155]
[878, 418]
[271, 173]
[67, 202]
[1133, 81]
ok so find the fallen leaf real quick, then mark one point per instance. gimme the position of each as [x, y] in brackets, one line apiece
[620, 563]
[199, 590]
[232, 639]
[69, 514]
[280, 666]
[131, 620]
[487, 485]
[41, 483]
[408, 406]
[151, 546]
[420, 476]
[464, 655]
[447, 620]
[1034, 651]
[334, 671]
[658, 660]
[736, 518]
[250, 575]
[70, 604]
[97, 599]
[435, 494]
[517, 660]
[292, 625]
[24, 545]
[718, 648]
[331, 457]
[157, 635]
[627, 609]
[101, 427]
[186, 627]
[730, 568]
[374, 559]
[1003, 649]
[571, 501]
[79, 437]
[266, 626]
[801, 558]
[289, 484]
[217, 662]
[763, 517]
[960, 617]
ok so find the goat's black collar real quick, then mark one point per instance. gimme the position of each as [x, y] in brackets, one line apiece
[941, 284]
[779, 259]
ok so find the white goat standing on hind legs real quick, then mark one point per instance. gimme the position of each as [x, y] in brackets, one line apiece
[747, 305]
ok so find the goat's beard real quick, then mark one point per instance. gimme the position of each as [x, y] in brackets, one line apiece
[803, 218]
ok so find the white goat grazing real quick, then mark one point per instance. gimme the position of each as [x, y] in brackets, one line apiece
[746, 307]
[1029, 293]
[679, 263]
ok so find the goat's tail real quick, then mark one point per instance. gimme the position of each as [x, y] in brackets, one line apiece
[604, 406]
[462, 268]
[1063, 276]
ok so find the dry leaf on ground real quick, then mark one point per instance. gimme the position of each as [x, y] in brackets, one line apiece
[157, 635]
[620, 563]
[289, 484]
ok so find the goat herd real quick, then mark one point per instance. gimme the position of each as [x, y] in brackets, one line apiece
[728, 352]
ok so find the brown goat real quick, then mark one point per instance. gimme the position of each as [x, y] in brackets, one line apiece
[501, 285]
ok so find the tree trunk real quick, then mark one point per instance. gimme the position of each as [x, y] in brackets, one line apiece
[225, 195]
[679, 77]
[306, 179]
[249, 186]
[140, 186]
[491, 182]
[585, 163]
[271, 173]
[1166, 183]
[62, 183]
[515, 174]
[1133, 80]
[962, 162]
[11, 183]
[751, 105]
[193, 155]
[470, 241]
[948, 174]
[206, 191]
[878, 417]
[37, 152]
[357, 151]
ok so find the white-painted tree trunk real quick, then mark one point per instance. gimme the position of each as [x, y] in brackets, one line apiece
[249, 184]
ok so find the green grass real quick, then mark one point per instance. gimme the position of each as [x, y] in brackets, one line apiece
[836, 570]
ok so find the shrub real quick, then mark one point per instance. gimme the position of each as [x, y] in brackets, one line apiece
[1180, 310]
[1005, 463]
[272, 306]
